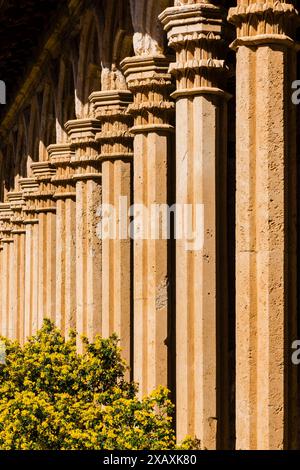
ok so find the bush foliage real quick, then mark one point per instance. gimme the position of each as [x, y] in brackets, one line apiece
[52, 398]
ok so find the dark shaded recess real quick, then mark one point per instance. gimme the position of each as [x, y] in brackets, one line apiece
[24, 26]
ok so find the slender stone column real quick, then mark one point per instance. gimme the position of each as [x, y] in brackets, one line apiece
[65, 196]
[7, 286]
[197, 33]
[116, 155]
[18, 234]
[88, 244]
[266, 388]
[149, 81]
[29, 186]
[46, 211]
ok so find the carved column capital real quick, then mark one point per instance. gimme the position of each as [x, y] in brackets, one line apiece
[86, 159]
[44, 172]
[5, 223]
[17, 203]
[29, 187]
[150, 82]
[61, 156]
[265, 22]
[198, 32]
[115, 139]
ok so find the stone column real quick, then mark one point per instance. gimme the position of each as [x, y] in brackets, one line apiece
[18, 234]
[88, 244]
[29, 186]
[46, 211]
[65, 197]
[266, 390]
[116, 154]
[7, 286]
[149, 81]
[197, 33]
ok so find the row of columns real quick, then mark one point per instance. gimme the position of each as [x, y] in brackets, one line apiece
[54, 263]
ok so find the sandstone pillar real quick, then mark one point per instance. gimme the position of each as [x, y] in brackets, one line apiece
[265, 263]
[29, 186]
[18, 234]
[7, 286]
[88, 244]
[46, 212]
[65, 197]
[116, 156]
[149, 81]
[197, 33]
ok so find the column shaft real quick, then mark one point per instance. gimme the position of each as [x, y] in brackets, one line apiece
[29, 186]
[8, 293]
[88, 243]
[197, 33]
[18, 234]
[45, 209]
[150, 83]
[116, 155]
[65, 197]
[266, 214]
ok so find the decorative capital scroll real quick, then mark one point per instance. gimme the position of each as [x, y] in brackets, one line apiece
[265, 22]
[43, 172]
[86, 159]
[150, 82]
[115, 139]
[199, 34]
[61, 156]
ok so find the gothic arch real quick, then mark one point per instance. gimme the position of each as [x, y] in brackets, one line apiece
[149, 38]
[33, 133]
[21, 149]
[64, 98]
[88, 76]
[47, 120]
[116, 34]
[9, 164]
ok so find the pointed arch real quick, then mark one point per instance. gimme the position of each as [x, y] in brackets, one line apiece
[149, 37]
[116, 40]
[21, 152]
[64, 98]
[88, 76]
[33, 133]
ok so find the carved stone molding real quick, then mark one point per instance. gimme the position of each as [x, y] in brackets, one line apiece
[5, 223]
[29, 187]
[60, 157]
[85, 160]
[16, 201]
[44, 172]
[264, 22]
[115, 139]
[150, 82]
[198, 32]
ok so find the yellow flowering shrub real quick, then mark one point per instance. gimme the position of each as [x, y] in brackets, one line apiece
[52, 398]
